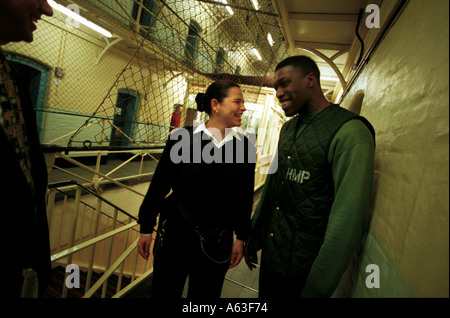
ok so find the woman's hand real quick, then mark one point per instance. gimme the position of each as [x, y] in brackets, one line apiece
[237, 253]
[143, 245]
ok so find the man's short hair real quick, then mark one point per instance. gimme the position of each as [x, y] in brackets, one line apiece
[303, 63]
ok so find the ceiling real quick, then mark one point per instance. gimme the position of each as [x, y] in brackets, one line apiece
[323, 30]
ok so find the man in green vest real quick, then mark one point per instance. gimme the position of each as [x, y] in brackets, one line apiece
[314, 210]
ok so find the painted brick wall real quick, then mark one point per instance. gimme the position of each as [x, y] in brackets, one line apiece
[405, 87]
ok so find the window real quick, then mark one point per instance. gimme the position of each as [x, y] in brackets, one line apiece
[192, 40]
[124, 117]
[147, 18]
[247, 20]
[33, 75]
[219, 61]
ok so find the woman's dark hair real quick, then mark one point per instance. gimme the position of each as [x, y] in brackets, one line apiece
[217, 90]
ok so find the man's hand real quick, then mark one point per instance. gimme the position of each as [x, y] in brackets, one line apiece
[250, 260]
[238, 252]
[143, 245]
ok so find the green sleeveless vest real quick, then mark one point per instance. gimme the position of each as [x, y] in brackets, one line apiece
[293, 218]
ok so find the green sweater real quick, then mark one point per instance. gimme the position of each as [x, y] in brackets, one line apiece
[351, 155]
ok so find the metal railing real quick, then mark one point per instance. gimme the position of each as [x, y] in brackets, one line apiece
[98, 177]
[95, 239]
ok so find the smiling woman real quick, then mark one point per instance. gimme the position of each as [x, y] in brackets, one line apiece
[18, 19]
[210, 199]
[225, 106]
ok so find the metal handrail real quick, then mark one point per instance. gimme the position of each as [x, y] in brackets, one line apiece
[73, 182]
[91, 242]
[50, 148]
[133, 284]
[95, 172]
[110, 271]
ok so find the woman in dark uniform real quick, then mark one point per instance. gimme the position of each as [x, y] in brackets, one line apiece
[202, 190]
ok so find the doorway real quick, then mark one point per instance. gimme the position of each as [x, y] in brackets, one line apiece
[34, 75]
[124, 118]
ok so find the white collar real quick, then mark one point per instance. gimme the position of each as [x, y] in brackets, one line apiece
[231, 134]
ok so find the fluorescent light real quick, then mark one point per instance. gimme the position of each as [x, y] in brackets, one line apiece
[230, 11]
[255, 51]
[329, 78]
[270, 39]
[79, 18]
[255, 4]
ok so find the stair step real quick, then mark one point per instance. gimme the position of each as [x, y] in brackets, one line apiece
[57, 281]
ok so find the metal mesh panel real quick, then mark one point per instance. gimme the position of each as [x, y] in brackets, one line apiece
[121, 91]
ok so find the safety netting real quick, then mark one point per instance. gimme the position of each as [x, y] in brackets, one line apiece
[112, 91]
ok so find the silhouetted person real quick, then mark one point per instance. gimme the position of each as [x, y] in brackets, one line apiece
[25, 239]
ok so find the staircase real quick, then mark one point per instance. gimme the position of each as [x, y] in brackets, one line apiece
[57, 281]
[90, 235]
[92, 232]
